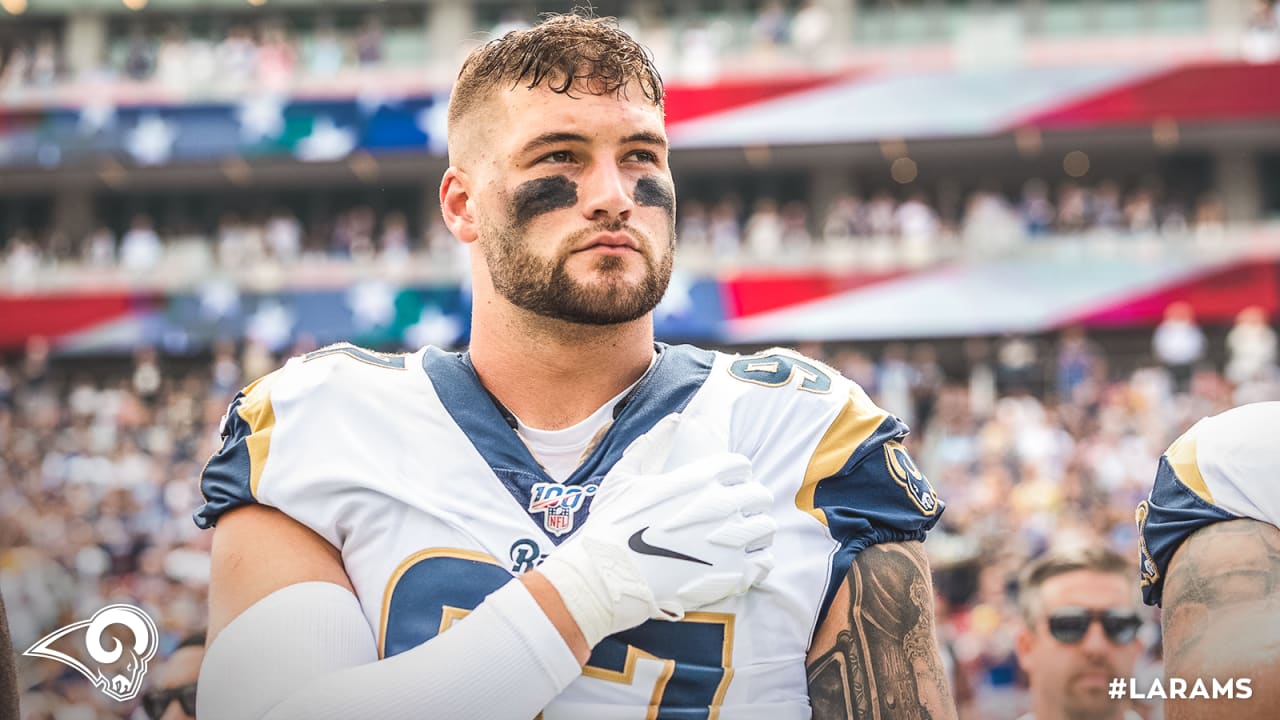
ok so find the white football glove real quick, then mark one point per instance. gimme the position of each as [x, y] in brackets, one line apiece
[677, 524]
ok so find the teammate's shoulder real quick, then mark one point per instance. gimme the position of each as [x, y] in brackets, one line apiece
[1230, 455]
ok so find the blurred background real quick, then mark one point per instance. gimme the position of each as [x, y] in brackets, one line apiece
[1045, 233]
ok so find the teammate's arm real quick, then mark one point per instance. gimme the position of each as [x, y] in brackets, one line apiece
[876, 654]
[1220, 609]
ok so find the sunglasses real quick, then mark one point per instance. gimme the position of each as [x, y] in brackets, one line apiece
[1069, 625]
[155, 702]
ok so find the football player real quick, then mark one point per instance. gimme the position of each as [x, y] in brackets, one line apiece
[1210, 552]
[568, 519]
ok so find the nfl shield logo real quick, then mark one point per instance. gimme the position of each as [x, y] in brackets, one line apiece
[558, 504]
[558, 520]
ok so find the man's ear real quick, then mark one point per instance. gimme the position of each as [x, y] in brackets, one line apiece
[457, 207]
[1023, 644]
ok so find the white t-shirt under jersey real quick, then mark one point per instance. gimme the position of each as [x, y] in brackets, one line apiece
[560, 452]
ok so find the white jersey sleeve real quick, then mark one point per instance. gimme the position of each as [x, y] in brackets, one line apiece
[291, 434]
[1224, 468]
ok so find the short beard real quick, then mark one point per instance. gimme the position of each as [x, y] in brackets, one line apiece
[545, 288]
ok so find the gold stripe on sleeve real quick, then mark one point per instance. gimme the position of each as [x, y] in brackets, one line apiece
[856, 422]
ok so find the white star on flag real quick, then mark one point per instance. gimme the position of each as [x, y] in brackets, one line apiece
[151, 141]
[678, 301]
[96, 115]
[261, 118]
[372, 303]
[433, 121]
[327, 142]
[219, 298]
[433, 328]
[271, 325]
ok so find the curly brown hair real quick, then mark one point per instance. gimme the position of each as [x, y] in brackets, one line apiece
[564, 52]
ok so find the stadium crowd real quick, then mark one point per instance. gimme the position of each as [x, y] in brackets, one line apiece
[207, 54]
[881, 229]
[1031, 441]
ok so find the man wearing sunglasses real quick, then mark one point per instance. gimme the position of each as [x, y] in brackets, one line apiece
[173, 692]
[1080, 630]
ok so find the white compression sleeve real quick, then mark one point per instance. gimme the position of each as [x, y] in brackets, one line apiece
[306, 652]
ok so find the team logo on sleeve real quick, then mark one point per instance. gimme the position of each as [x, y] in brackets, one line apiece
[558, 503]
[906, 474]
[117, 672]
[1150, 575]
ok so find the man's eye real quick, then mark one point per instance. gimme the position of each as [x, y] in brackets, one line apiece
[644, 156]
[559, 156]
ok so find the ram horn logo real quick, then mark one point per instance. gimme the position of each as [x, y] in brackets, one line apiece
[124, 666]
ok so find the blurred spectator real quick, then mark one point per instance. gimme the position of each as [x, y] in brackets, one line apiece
[990, 224]
[796, 238]
[368, 42]
[1016, 362]
[694, 225]
[326, 52]
[1262, 33]
[172, 692]
[237, 58]
[1178, 342]
[22, 258]
[1037, 210]
[393, 245]
[172, 60]
[726, 233]
[844, 220]
[1104, 211]
[284, 237]
[45, 62]
[140, 57]
[276, 59]
[811, 30]
[769, 29]
[1080, 631]
[1251, 347]
[918, 226]
[1080, 366]
[763, 233]
[895, 383]
[1140, 211]
[1073, 208]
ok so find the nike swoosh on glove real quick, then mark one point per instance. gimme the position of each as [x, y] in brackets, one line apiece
[681, 490]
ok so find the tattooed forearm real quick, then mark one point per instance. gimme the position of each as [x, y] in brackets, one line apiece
[1223, 572]
[876, 655]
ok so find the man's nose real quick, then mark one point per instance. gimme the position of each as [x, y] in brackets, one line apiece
[607, 193]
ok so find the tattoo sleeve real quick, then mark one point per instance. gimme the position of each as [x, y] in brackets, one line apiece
[1220, 610]
[876, 655]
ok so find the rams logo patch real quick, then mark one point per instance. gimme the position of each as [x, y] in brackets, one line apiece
[1150, 575]
[906, 474]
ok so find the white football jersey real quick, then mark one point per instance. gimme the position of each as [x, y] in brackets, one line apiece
[413, 472]
[1223, 468]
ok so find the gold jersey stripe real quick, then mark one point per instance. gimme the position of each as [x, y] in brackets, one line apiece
[857, 421]
[255, 409]
[1182, 458]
